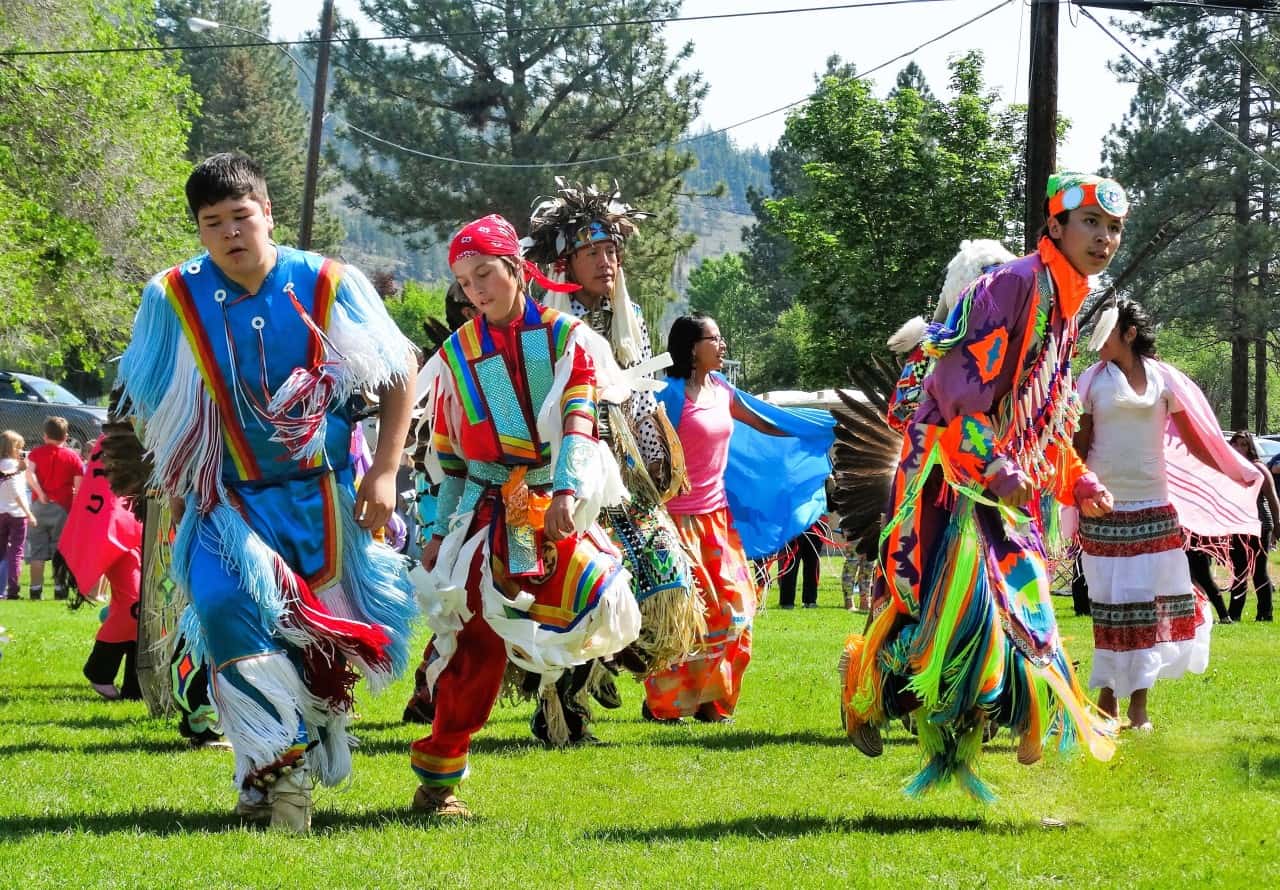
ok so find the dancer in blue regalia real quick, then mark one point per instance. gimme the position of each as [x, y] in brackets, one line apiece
[242, 376]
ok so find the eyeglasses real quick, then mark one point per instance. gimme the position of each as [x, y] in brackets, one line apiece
[716, 337]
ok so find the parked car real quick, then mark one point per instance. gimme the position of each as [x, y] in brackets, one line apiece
[26, 401]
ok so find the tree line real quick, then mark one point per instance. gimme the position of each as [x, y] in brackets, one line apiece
[871, 196]
[856, 209]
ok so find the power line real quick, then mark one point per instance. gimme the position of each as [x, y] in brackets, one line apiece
[479, 32]
[1017, 58]
[684, 141]
[1177, 92]
[1254, 65]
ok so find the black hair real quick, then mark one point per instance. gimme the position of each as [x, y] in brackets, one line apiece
[684, 335]
[1251, 447]
[229, 174]
[455, 301]
[1132, 315]
[1061, 217]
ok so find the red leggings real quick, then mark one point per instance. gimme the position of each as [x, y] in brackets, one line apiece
[464, 695]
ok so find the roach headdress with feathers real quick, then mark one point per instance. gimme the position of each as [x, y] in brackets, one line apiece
[576, 217]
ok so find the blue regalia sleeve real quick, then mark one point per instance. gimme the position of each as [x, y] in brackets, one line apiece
[148, 364]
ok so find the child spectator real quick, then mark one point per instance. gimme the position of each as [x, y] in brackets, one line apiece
[15, 511]
[53, 472]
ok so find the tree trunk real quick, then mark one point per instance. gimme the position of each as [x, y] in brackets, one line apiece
[1261, 416]
[1239, 382]
[1260, 385]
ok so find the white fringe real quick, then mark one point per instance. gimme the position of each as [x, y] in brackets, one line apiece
[442, 594]
[425, 392]
[605, 487]
[258, 737]
[373, 352]
[613, 625]
[184, 418]
[338, 603]
[627, 336]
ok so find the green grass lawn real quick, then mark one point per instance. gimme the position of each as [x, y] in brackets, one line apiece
[99, 794]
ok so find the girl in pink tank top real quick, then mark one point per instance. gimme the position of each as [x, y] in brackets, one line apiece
[706, 685]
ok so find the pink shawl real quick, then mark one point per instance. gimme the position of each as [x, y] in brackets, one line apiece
[1210, 502]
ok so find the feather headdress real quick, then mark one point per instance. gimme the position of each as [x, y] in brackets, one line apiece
[579, 215]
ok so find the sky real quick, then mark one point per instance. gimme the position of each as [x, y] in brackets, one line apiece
[753, 65]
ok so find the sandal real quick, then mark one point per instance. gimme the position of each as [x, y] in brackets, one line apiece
[439, 801]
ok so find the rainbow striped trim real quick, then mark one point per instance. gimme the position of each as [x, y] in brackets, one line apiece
[180, 298]
[483, 381]
[438, 771]
[328, 279]
[584, 579]
[580, 399]
[326, 293]
[331, 570]
[459, 350]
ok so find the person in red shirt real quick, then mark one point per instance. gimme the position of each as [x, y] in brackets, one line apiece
[54, 472]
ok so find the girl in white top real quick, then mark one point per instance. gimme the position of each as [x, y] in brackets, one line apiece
[1147, 619]
[15, 510]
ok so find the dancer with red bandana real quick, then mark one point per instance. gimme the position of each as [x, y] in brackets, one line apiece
[516, 566]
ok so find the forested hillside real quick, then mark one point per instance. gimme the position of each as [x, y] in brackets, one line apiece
[716, 221]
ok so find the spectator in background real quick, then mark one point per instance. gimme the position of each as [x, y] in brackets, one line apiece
[1249, 552]
[15, 512]
[54, 472]
[800, 557]
[106, 542]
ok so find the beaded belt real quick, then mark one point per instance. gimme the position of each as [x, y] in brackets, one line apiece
[526, 494]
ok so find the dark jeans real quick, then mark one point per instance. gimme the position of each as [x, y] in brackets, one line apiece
[801, 555]
[1243, 549]
[1080, 591]
[104, 664]
[1200, 565]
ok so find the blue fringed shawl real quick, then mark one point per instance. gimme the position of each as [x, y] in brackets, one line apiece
[776, 486]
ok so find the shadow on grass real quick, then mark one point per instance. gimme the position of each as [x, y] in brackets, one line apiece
[100, 722]
[60, 687]
[772, 827]
[677, 737]
[741, 739]
[161, 822]
[120, 746]
[479, 745]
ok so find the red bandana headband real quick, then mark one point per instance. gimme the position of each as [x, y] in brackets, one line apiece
[493, 236]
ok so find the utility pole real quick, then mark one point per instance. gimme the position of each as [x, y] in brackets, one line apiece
[1242, 323]
[1042, 114]
[317, 127]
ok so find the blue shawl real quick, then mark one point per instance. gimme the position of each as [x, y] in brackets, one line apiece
[775, 485]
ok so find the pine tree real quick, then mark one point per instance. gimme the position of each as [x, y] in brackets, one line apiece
[1203, 205]
[484, 90]
[249, 102]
